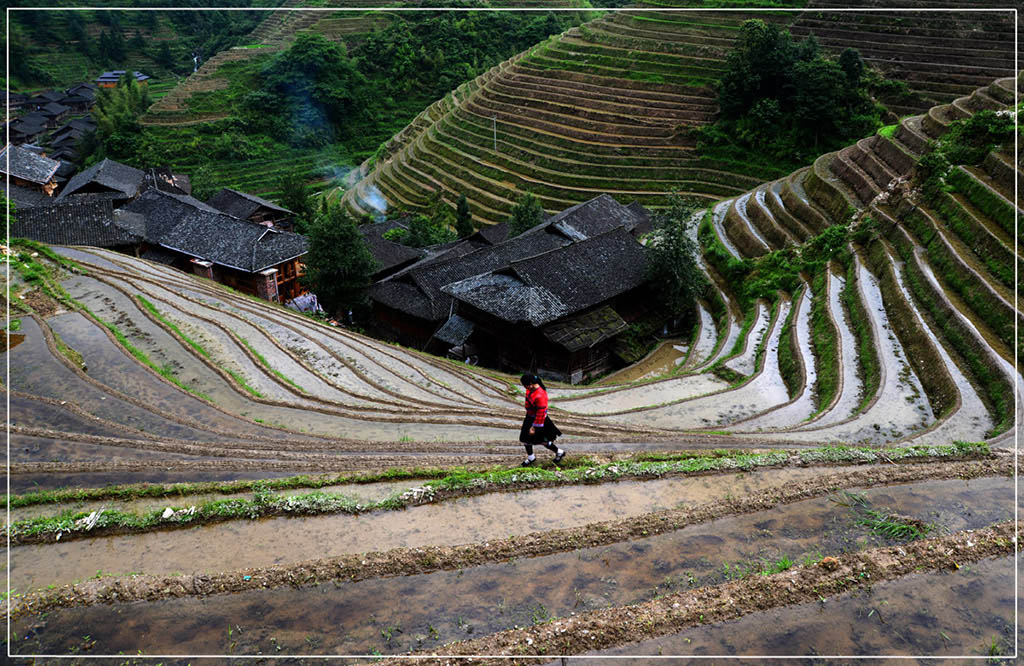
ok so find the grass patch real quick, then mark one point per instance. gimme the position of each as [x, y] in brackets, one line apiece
[72, 355]
[789, 368]
[459, 480]
[894, 526]
[266, 365]
[996, 392]
[868, 368]
[166, 372]
[824, 344]
[888, 131]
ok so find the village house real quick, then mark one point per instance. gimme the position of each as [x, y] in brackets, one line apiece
[29, 170]
[390, 256]
[15, 102]
[110, 79]
[253, 208]
[420, 306]
[182, 231]
[77, 222]
[557, 313]
[108, 179]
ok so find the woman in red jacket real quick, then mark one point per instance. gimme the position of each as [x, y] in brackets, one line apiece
[537, 426]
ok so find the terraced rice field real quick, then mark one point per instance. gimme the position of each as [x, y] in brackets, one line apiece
[800, 463]
[607, 106]
[823, 473]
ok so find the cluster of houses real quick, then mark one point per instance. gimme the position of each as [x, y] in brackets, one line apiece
[235, 238]
[48, 118]
[555, 299]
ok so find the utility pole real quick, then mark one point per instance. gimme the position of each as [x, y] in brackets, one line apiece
[494, 126]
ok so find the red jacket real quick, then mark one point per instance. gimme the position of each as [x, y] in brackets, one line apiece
[537, 406]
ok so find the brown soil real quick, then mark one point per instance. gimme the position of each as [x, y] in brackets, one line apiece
[611, 627]
[406, 561]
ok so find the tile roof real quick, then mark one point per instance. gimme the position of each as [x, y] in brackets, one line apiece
[47, 95]
[597, 216]
[562, 282]
[115, 75]
[80, 222]
[492, 234]
[24, 197]
[162, 211]
[84, 89]
[509, 298]
[455, 331]
[27, 165]
[242, 205]
[585, 330]
[231, 242]
[467, 259]
[54, 109]
[122, 180]
[388, 254]
[588, 272]
[28, 127]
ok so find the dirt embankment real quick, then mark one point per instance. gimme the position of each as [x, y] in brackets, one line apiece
[408, 561]
[602, 629]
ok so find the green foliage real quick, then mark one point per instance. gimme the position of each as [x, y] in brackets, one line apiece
[894, 526]
[672, 257]
[789, 368]
[338, 264]
[307, 92]
[295, 196]
[824, 345]
[526, 214]
[966, 142]
[868, 368]
[463, 217]
[784, 98]
[265, 503]
[116, 112]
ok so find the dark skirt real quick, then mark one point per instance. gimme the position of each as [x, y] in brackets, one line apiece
[546, 434]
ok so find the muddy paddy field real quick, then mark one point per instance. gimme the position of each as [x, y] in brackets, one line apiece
[197, 473]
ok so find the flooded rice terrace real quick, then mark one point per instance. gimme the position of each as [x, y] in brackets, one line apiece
[967, 613]
[287, 539]
[393, 615]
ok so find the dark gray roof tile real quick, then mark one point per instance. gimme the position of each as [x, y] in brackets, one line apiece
[27, 165]
[80, 222]
[231, 242]
[388, 254]
[120, 179]
[455, 331]
[162, 211]
[242, 205]
[24, 197]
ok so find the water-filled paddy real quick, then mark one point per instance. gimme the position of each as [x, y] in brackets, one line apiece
[396, 614]
[965, 613]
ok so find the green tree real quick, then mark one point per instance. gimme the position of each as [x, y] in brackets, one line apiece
[116, 112]
[672, 256]
[463, 217]
[785, 99]
[295, 196]
[338, 263]
[316, 87]
[163, 55]
[425, 231]
[526, 214]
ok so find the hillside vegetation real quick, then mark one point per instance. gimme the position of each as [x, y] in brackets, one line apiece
[314, 92]
[612, 105]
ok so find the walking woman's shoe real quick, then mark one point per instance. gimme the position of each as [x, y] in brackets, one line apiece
[528, 462]
[559, 456]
